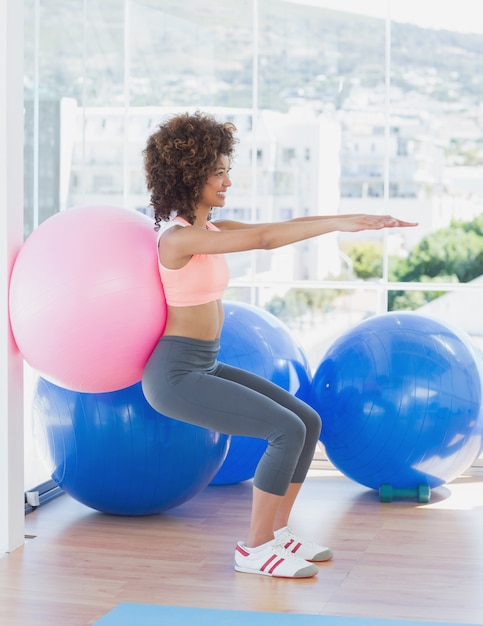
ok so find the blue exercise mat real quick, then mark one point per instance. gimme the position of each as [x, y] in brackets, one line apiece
[131, 614]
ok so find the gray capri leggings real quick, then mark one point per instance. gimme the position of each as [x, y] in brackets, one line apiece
[184, 380]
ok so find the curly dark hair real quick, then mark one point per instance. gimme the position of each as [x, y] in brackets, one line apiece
[178, 159]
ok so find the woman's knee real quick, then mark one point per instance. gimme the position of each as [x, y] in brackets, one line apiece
[290, 432]
[313, 422]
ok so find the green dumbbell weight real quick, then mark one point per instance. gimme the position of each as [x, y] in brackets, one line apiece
[387, 492]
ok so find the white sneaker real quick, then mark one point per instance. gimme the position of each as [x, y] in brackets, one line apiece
[307, 550]
[272, 559]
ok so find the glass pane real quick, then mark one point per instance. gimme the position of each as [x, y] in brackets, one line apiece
[436, 169]
[317, 317]
[314, 316]
[320, 139]
[190, 54]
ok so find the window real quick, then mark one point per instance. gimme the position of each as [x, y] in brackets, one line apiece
[328, 129]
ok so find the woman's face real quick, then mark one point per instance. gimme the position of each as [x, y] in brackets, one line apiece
[214, 191]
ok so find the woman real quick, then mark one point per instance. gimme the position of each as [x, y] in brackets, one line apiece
[187, 164]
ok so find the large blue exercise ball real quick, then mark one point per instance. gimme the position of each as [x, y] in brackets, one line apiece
[257, 341]
[400, 397]
[114, 453]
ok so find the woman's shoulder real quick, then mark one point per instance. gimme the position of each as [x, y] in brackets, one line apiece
[172, 225]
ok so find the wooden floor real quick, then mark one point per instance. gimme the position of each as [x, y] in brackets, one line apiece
[401, 560]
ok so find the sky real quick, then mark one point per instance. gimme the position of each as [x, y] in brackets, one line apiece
[457, 15]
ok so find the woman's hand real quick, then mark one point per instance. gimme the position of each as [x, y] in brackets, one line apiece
[355, 223]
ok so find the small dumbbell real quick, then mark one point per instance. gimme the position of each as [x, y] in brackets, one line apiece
[387, 492]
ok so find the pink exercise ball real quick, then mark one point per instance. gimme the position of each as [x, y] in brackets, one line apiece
[86, 301]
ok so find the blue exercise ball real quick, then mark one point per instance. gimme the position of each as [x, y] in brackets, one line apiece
[114, 453]
[400, 397]
[257, 341]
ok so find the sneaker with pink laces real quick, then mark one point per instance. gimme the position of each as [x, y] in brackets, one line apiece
[272, 559]
[307, 550]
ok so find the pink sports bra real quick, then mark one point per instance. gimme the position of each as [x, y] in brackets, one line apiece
[203, 279]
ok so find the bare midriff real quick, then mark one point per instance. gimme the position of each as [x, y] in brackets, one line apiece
[203, 321]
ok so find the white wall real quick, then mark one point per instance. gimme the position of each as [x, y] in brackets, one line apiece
[11, 238]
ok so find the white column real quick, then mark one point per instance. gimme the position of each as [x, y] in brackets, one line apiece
[11, 239]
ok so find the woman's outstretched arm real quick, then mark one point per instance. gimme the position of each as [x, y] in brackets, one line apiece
[238, 237]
